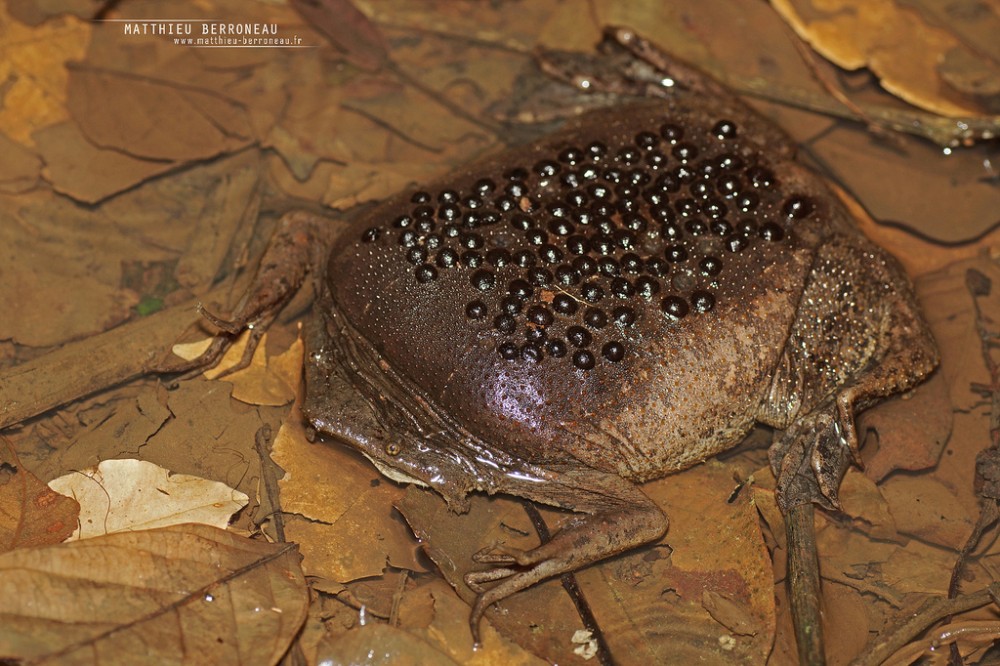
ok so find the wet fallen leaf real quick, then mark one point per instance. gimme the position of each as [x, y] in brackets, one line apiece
[214, 440]
[350, 31]
[340, 509]
[155, 596]
[379, 644]
[133, 495]
[31, 514]
[105, 430]
[433, 622]
[863, 501]
[154, 119]
[542, 618]
[845, 622]
[649, 601]
[916, 186]
[20, 167]
[927, 508]
[33, 67]
[79, 169]
[901, 46]
[910, 431]
[49, 279]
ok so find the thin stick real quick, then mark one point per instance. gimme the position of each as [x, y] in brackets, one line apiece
[803, 578]
[931, 612]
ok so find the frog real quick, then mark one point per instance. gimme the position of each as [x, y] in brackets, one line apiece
[611, 303]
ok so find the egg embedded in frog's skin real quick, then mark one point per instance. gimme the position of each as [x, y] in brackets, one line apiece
[618, 294]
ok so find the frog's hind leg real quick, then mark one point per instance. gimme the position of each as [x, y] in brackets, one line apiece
[811, 456]
[616, 517]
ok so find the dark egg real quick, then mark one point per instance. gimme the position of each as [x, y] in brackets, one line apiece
[536, 242]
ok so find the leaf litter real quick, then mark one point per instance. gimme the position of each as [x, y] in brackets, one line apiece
[342, 128]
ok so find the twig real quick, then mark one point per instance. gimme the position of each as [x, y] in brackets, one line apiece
[972, 632]
[267, 473]
[84, 367]
[573, 590]
[803, 578]
[933, 611]
[397, 597]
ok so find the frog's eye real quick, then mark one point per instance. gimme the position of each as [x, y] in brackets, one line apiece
[393, 449]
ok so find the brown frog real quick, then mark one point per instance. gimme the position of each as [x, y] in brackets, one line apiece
[604, 306]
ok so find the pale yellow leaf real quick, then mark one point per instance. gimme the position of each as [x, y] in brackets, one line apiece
[131, 495]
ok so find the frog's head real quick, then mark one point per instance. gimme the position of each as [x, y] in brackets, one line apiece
[354, 397]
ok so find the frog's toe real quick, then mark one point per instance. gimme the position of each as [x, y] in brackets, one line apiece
[476, 579]
[511, 581]
[505, 555]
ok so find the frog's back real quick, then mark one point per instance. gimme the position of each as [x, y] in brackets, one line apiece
[619, 293]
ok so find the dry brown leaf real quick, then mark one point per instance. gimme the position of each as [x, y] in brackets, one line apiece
[342, 509]
[266, 381]
[33, 68]
[157, 596]
[154, 119]
[648, 601]
[132, 495]
[20, 167]
[910, 431]
[79, 169]
[927, 508]
[862, 501]
[899, 45]
[31, 514]
[347, 29]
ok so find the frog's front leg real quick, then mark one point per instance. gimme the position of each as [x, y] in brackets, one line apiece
[617, 517]
[298, 246]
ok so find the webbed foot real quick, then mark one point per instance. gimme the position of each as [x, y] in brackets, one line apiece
[585, 540]
[811, 456]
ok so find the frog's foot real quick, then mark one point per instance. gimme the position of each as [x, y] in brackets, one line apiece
[297, 247]
[616, 523]
[811, 456]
